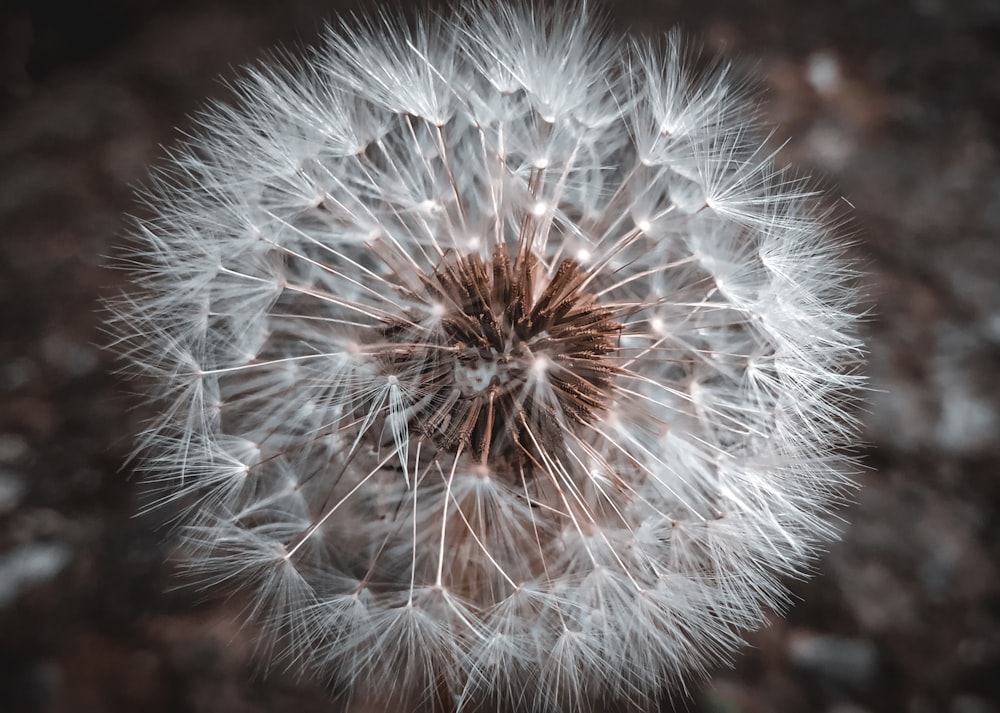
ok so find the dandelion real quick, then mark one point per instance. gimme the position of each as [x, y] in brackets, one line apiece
[495, 359]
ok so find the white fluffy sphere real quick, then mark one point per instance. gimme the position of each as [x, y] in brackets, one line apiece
[495, 358]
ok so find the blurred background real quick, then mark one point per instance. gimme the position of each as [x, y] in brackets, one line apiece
[896, 104]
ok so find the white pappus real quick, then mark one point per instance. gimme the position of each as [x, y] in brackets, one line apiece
[495, 359]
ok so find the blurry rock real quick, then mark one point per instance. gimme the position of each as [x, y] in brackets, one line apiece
[844, 707]
[12, 447]
[29, 566]
[823, 72]
[963, 375]
[11, 491]
[851, 662]
[73, 359]
[971, 704]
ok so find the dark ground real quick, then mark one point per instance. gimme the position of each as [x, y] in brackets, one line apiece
[897, 104]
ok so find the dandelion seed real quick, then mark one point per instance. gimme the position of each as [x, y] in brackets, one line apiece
[497, 361]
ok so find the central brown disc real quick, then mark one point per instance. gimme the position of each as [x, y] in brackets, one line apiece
[521, 356]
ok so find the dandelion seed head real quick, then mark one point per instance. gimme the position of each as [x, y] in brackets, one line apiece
[495, 359]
